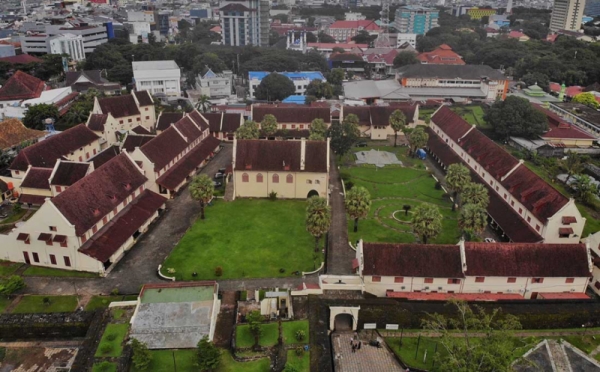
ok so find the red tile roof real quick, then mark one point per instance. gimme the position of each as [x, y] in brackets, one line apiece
[96, 122]
[164, 148]
[166, 119]
[560, 129]
[45, 153]
[296, 114]
[526, 260]
[516, 34]
[135, 140]
[565, 230]
[13, 133]
[141, 130]
[67, 173]
[112, 236]
[105, 155]
[567, 220]
[188, 129]
[37, 178]
[263, 155]
[362, 112]
[442, 55]
[562, 296]
[388, 57]
[337, 45]
[223, 122]
[198, 119]
[32, 199]
[426, 296]
[85, 203]
[177, 174]
[120, 106]
[365, 24]
[235, 8]
[451, 123]
[488, 154]
[21, 86]
[143, 98]
[380, 115]
[21, 59]
[412, 260]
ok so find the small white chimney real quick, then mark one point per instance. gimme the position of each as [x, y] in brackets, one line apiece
[302, 153]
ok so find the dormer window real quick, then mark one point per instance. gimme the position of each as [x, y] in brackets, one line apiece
[248, 166]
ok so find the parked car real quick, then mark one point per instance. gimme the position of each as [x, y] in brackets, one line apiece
[489, 240]
[222, 170]
[361, 144]
[217, 184]
[219, 175]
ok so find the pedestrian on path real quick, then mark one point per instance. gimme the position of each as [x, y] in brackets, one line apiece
[353, 348]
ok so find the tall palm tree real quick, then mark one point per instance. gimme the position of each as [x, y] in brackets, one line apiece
[358, 204]
[318, 218]
[398, 123]
[473, 219]
[475, 193]
[457, 177]
[427, 221]
[203, 103]
[573, 165]
[417, 139]
[202, 190]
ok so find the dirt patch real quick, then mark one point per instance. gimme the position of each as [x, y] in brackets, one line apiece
[300, 304]
[37, 359]
[226, 319]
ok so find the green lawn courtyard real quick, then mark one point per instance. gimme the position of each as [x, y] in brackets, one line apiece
[54, 304]
[392, 187]
[269, 336]
[48, 271]
[8, 268]
[102, 302]
[184, 361]
[111, 344]
[302, 363]
[247, 238]
[289, 332]
[472, 114]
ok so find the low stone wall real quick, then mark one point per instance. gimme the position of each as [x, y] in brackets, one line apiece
[43, 326]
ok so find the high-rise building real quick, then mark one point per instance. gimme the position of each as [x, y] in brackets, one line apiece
[592, 8]
[415, 19]
[566, 15]
[245, 22]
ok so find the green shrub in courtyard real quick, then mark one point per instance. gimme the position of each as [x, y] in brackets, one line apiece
[300, 351]
[106, 348]
[300, 335]
[218, 271]
[209, 356]
[141, 355]
[104, 367]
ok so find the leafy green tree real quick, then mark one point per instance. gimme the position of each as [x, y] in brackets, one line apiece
[573, 164]
[588, 99]
[248, 130]
[405, 59]
[319, 89]
[208, 355]
[255, 320]
[142, 357]
[269, 125]
[275, 87]
[427, 221]
[363, 37]
[36, 114]
[538, 78]
[484, 345]
[457, 178]
[417, 138]
[472, 219]
[203, 103]
[584, 188]
[358, 204]
[476, 194]
[202, 190]
[516, 117]
[344, 135]
[398, 123]
[318, 218]
[11, 285]
[336, 76]
[325, 38]
[51, 66]
[318, 130]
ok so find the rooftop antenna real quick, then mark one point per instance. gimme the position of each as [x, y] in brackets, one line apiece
[383, 40]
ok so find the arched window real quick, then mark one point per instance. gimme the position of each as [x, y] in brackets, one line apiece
[259, 178]
[245, 177]
[275, 178]
[289, 178]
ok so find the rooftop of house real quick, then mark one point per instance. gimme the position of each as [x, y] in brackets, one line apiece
[466, 72]
[13, 133]
[154, 65]
[45, 153]
[84, 203]
[120, 106]
[96, 122]
[69, 172]
[105, 155]
[21, 86]
[364, 24]
[21, 59]
[337, 45]
[37, 178]
[93, 76]
[144, 98]
[560, 129]
[163, 148]
[291, 114]
[165, 119]
[223, 122]
[262, 155]
[580, 110]
[198, 119]
[135, 140]
[442, 55]
[141, 130]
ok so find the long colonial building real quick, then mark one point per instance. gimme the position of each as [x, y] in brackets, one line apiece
[523, 207]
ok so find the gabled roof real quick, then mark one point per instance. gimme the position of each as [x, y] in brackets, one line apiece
[198, 119]
[560, 129]
[412, 260]
[45, 153]
[235, 8]
[166, 119]
[68, 172]
[295, 114]
[488, 154]
[451, 123]
[105, 155]
[468, 72]
[120, 106]
[364, 24]
[96, 122]
[21, 59]
[21, 86]
[94, 76]
[442, 55]
[85, 202]
[13, 133]
[262, 155]
[37, 178]
[362, 112]
[164, 148]
[380, 115]
[141, 130]
[526, 260]
[135, 140]
[144, 98]
[188, 129]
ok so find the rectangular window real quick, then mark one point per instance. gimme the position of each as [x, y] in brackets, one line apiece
[94, 229]
[512, 203]
[453, 281]
[58, 189]
[376, 279]
[53, 259]
[104, 220]
[537, 280]
[504, 196]
[36, 257]
[428, 280]
[537, 228]
[67, 261]
[399, 279]
[570, 280]
[511, 280]
[129, 120]
[528, 219]
[479, 279]
[147, 117]
[520, 210]
[83, 239]
[124, 203]
[64, 243]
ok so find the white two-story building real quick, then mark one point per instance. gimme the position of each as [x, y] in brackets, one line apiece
[157, 77]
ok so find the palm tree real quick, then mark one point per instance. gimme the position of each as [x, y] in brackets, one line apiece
[473, 219]
[475, 193]
[457, 178]
[398, 123]
[318, 218]
[269, 125]
[203, 103]
[427, 221]
[573, 165]
[417, 139]
[358, 203]
[202, 190]
[584, 188]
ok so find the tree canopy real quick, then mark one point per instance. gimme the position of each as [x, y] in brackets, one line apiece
[515, 116]
[427, 221]
[357, 203]
[202, 190]
[588, 99]
[248, 130]
[318, 218]
[398, 123]
[269, 125]
[405, 58]
[275, 87]
[36, 114]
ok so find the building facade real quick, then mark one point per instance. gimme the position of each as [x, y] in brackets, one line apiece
[567, 15]
[345, 30]
[301, 79]
[38, 42]
[413, 19]
[67, 44]
[215, 85]
[245, 22]
[374, 120]
[157, 77]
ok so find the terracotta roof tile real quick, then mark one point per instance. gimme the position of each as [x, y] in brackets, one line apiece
[364, 24]
[451, 123]
[13, 133]
[21, 86]
[143, 98]
[85, 203]
[188, 129]
[67, 173]
[135, 140]
[526, 260]
[488, 154]
[263, 155]
[442, 55]
[141, 130]
[120, 106]
[105, 155]
[32, 199]
[21, 59]
[362, 112]
[198, 119]
[380, 115]
[96, 122]
[560, 129]
[37, 178]
[427, 296]
[166, 119]
[95, 76]
[296, 114]
[164, 148]
[412, 260]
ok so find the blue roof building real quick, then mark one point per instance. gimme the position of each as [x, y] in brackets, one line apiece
[301, 79]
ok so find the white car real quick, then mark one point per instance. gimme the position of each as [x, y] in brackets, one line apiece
[489, 240]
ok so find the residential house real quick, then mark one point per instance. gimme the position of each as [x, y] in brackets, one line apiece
[523, 207]
[345, 30]
[90, 225]
[166, 119]
[13, 134]
[215, 85]
[291, 117]
[514, 271]
[579, 114]
[518, 35]
[292, 169]
[223, 125]
[442, 55]
[374, 120]
[82, 81]
[382, 62]
[326, 49]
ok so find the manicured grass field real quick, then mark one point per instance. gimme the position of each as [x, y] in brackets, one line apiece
[586, 343]
[302, 363]
[48, 271]
[228, 364]
[248, 238]
[269, 336]
[4, 302]
[8, 268]
[102, 302]
[35, 304]
[165, 361]
[14, 216]
[290, 329]
[113, 336]
[472, 115]
[99, 367]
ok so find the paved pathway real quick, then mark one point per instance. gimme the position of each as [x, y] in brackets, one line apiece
[368, 358]
[339, 256]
